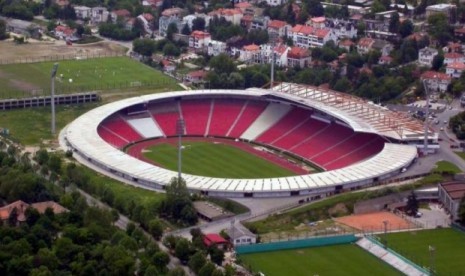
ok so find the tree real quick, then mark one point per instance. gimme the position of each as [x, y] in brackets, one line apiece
[172, 29]
[438, 61]
[222, 63]
[216, 255]
[412, 204]
[156, 228]
[197, 261]
[145, 47]
[186, 30]
[207, 269]
[394, 23]
[406, 28]
[161, 260]
[439, 28]
[182, 250]
[171, 50]
[198, 24]
[3, 33]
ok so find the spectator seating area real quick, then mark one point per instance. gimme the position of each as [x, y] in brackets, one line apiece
[290, 129]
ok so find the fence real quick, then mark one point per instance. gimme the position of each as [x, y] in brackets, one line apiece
[60, 57]
[295, 244]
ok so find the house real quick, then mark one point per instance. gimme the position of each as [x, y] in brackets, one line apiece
[307, 36]
[297, 56]
[365, 45]
[215, 47]
[453, 47]
[170, 16]
[259, 23]
[276, 2]
[99, 15]
[453, 57]
[436, 81]
[23, 27]
[41, 207]
[232, 15]
[189, 19]
[239, 235]
[250, 54]
[455, 69]
[20, 208]
[450, 195]
[215, 240]
[147, 22]
[196, 76]
[61, 3]
[167, 66]
[460, 32]
[341, 28]
[385, 60]
[65, 33]
[384, 47]
[426, 56]
[246, 21]
[277, 28]
[243, 6]
[122, 13]
[346, 44]
[449, 10]
[199, 39]
[82, 12]
[317, 22]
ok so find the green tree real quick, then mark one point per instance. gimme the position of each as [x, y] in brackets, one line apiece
[161, 260]
[171, 50]
[406, 28]
[439, 28]
[3, 33]
[207, 269]
[461, 211]
[394, 23]
[438, 61]
[186, 30]
[182, 250]
[155, 229]
[197, 261]
[172, 29]
[412, 204]
[145, 47]
[216, 255]
[198, 24]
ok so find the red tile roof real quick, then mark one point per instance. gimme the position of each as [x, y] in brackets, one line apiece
[122, 13]
[453, 56]
[435, 75]
[42, 206]
[197, 74]
[200, 34]
[251, 47]
[20, 206]
[346, 42]
[319, 19]
[298, 53]
[210, 239]
[276, 24]
[365, 42]
[148, 16]
[457, 66]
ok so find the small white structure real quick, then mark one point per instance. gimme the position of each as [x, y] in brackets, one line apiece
[240, 235]
[426, 56]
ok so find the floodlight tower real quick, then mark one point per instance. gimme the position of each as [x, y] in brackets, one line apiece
[425, 141]
[52, 98]
[180, 129]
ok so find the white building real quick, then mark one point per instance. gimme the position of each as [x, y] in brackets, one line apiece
[215, 47]
[199, 39]
[455, 69]
[450, 195]
[239, 235]
[188, 19]
[99, 15]
[170, 16]
[453, 57]
[426, 56]
[307, 36]
[232, 15]
[436, 81]
[276, 2]
[82, 12]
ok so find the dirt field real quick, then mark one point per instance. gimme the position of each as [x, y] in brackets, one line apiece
[11, 51]
[373, 222]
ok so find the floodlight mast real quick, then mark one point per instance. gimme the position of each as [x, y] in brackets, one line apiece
[426, 126]
[180, 129]
[52, 98]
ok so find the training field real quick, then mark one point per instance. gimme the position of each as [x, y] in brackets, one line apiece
[33, 79]
[328, 260]
[449, 247]
[214, 160]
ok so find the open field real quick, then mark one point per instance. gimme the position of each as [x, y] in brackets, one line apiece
[80, 75]
[215, 160]
[446, 167]
[328, 260]
[449, 247]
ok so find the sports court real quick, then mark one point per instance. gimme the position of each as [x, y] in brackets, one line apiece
[374, 222]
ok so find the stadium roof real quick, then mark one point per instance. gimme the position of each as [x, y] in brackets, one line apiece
[360, 114]
[82, 135]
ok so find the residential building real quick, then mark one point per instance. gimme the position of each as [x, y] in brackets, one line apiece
[168, 66]
[341, 28]
[385, 60]
[436, 81]
[99, 15]
[122, 13]
[170, 16]
[317, 22]
[259, 23]
[188, 19]
[450, 195]
[277, 28]
[250, 54]
[215, 47]
[384, 47]
[426, 56]
[297, 56]
[307, 36]
[232, 15]
[460, 32]
[455, 69]
[346, 44]
[449, 10]
[199, 39]
[453, 47]
[365, 45]
[196, 76]
[147, 22]
[239, 235]
[215, 240]
[243, 6]
[20, 207]
[276, 2]
[65, 33]
[246, 21]
[83, 12]
[453, 57]
[22, 27]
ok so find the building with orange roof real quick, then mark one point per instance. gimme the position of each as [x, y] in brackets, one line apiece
[346, 44]
[243, 6]
[436, 81]
[232, 15]
[450, 195]
[199, 39]
[278, 28]
[41, 207]
[20, 208]
[300, 57]
[196, 76]
[453, 57]
[455, 69]
[250, 53]
[385, 60]
[317, 22]
[364, 45]
[307, 36]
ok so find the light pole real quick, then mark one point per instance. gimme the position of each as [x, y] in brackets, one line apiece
[432, 251]
[180, 128]
[52, 98]
[425, 141]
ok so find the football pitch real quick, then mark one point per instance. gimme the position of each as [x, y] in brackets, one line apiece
[33, 79]
[344, 259]
[448, 244]
[214, 160]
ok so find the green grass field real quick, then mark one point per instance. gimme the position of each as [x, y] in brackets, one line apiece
[20, 80]
[446, 167]
[449, 245]
[215, 160]
[328, 260]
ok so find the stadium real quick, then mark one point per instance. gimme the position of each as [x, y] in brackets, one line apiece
[352, 142]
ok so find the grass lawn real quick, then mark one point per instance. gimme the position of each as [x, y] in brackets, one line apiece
[449, 245]
[446, 167]
[461, 154]
[215, 160]
[19, 80]
[328, 260]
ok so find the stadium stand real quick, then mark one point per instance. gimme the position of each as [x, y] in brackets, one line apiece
[225, 113]
[166, 115]
[196, 114]
[292, 120]
[111, 138]
[248, 115]
[121, 128]
[270, 116]
[146, 127]
[300, 134]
